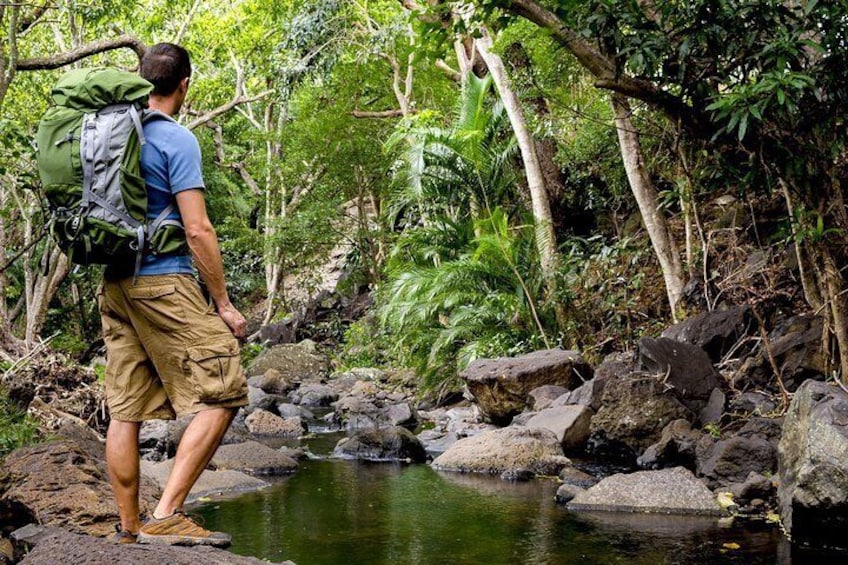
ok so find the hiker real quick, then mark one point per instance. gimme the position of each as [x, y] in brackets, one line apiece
[170, 350]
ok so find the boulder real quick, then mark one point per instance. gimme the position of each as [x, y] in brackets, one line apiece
[314, 395]
[755, 486]
[274, 382]
[437, 442]
[686, 368]
[715, 332]
[209, 483]
[515, 448]
[356, 412]
[634, 411]
[252, 458]
[288, 410]
[501, 386]
[566, 493]
[795, 347]
[754, 402]
[384, 444]
[769, 429]
[679, 446]
[295, 363]
[55, 545]
[813, 465]
[576, 477]
[63, 482]
[543, 396]
[731, 460]
[569, 423]
[714, 410]
[261, 422]
[588, 394]
[667, 491]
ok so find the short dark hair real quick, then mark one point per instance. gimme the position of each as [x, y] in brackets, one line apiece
[165, 65]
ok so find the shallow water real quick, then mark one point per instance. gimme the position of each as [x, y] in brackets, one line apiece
[334, 512]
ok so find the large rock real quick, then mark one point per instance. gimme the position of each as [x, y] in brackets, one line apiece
[274, 382]
[687, 369]
[263, 423]
[543, 396]
[588, 394]
[731, 460]
[679, 446]
[634, 411]
[253, 458]
[501, 386]
[300, 362]
[715, 332]
[209, 483]
[813, 465]
[668, 491]
[384, 444]
[64, 483]
[569, 423]
[314, 395]
[795, 347]
[508, 449]
[59, 546]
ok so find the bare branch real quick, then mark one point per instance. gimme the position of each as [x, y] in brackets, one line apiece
[452, 73]
[378, 115]
[223, 109]
[190, 16]
[62, 59]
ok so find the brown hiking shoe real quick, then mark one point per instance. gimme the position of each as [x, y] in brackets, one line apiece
[179, 529]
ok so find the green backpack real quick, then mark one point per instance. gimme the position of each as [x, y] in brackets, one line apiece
[89, 159]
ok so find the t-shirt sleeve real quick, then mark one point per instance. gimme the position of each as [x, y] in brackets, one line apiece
[184, 162]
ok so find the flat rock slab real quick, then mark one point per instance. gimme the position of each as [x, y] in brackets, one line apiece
[253, 458]
[509, 449]
[209, 483]
[502, 386]
[569, 423]
[668, 491]
[58, 546]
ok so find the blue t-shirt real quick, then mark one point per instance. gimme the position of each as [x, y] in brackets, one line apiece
[170, 163]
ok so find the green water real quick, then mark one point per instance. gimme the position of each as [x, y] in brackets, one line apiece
[342, 512]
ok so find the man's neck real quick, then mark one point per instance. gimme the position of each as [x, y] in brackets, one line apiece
[165, 104]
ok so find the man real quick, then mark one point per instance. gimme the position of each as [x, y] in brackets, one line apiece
[170, 352]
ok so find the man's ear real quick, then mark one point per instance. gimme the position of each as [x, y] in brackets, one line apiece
[184, 84]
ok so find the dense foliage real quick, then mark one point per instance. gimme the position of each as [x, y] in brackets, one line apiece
[372, 130]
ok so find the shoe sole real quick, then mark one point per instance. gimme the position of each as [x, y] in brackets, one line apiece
[180, 540]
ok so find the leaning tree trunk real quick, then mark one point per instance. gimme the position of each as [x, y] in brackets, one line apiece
[648, 201]
[545, 237]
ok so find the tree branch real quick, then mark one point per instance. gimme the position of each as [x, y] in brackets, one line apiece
[379, 115]
[605, 70]
[224, 108]
[62, 59]
[452, 73]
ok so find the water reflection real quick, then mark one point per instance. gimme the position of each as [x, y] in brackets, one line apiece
[334, 512]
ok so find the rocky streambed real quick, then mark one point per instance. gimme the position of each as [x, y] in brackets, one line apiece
[689, 433]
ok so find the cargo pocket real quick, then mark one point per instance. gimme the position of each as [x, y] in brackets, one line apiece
[160, 305]
[216, 372]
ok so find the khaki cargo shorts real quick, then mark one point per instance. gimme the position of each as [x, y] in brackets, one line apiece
[168, 352]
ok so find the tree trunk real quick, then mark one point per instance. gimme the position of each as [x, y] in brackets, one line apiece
[545, 237]
[648, 201]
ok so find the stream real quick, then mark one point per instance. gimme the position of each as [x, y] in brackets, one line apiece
[335, 511]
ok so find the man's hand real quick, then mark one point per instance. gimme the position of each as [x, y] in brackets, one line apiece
[234, 320]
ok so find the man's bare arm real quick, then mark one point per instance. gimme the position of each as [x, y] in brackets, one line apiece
[203, 243]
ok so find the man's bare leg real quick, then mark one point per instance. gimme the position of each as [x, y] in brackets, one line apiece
[122, 461]
[196, 448]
